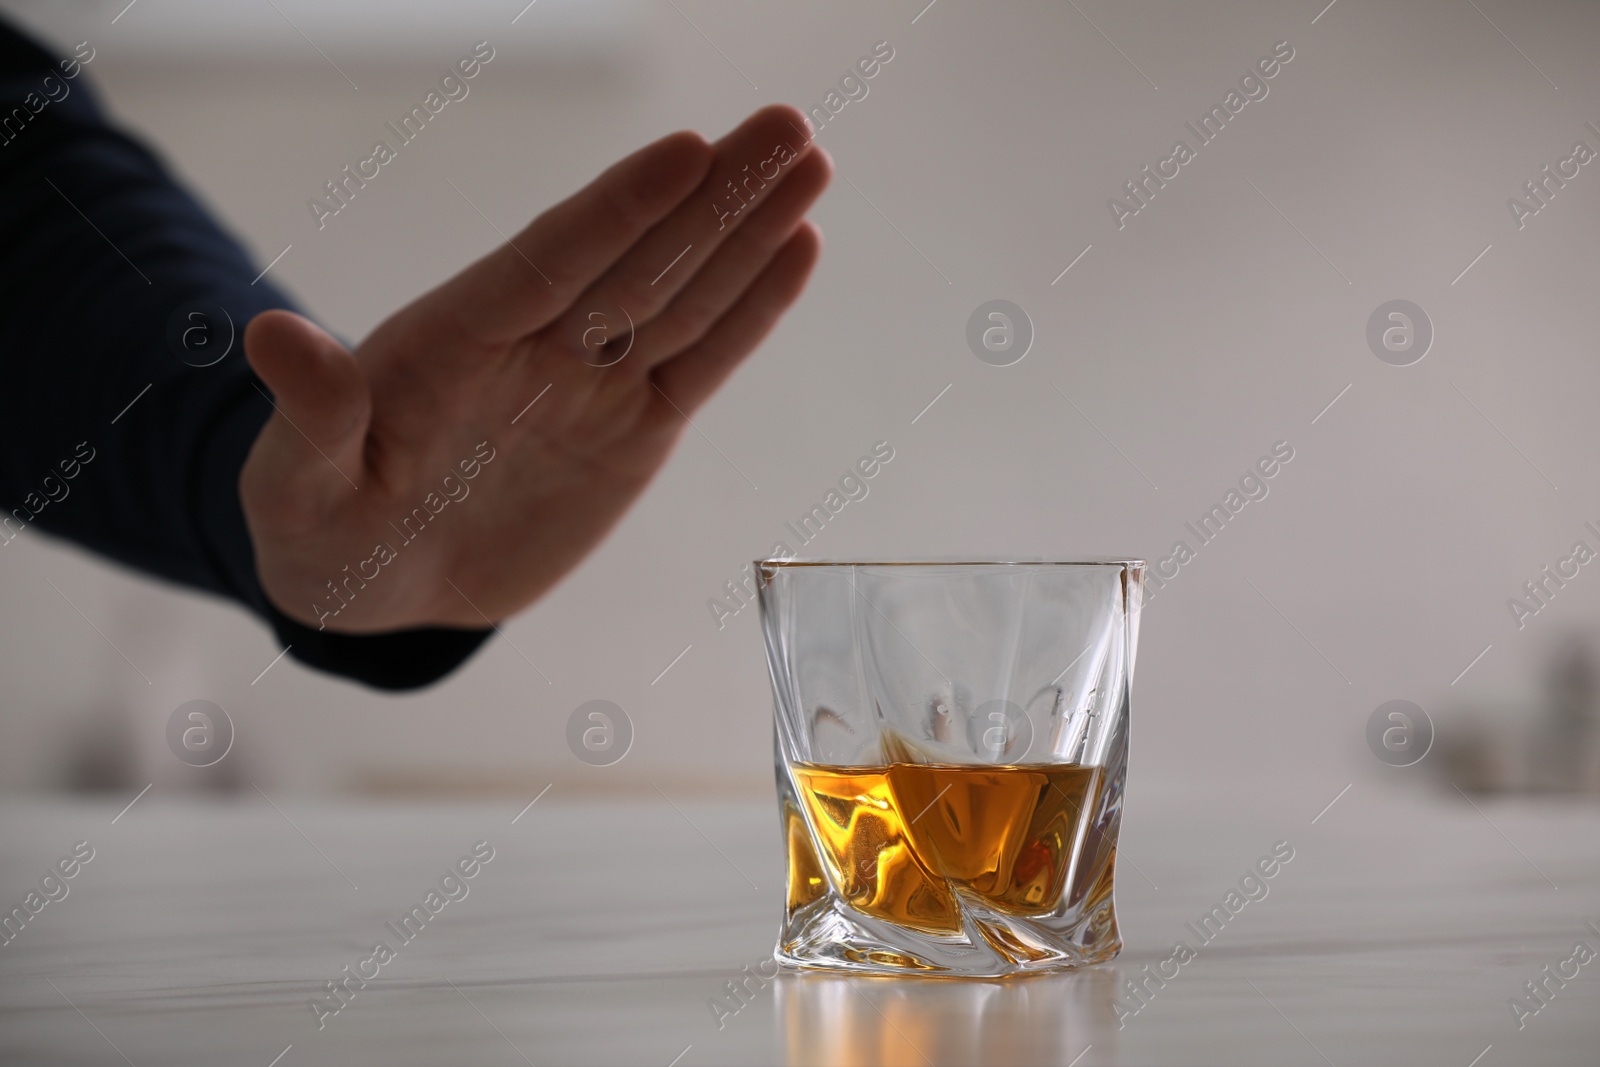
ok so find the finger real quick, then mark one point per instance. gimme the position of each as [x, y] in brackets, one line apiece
[717, 286]
[527, 282]
[320, 398]
[688, 379]
[752, 163]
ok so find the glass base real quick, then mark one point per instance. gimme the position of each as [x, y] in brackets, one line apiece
[829, 935]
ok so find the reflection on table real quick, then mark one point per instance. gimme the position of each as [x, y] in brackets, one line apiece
[845, 1021]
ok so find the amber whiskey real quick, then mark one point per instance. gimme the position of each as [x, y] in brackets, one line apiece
[906, 841]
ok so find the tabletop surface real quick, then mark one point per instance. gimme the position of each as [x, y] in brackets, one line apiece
[608, 932]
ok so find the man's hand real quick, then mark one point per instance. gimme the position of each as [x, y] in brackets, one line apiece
[410, 483]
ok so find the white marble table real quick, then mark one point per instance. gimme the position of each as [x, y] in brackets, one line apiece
[601, 932]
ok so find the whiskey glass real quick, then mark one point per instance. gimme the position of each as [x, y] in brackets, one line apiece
[951, 745]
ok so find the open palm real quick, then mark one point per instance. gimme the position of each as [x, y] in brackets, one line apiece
[486, 436]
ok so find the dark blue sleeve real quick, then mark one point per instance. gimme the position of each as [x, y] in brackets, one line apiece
[126, 404]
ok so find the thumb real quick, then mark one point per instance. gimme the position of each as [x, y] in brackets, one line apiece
[318, 389]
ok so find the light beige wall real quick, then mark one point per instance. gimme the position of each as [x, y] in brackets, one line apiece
[1213, 325]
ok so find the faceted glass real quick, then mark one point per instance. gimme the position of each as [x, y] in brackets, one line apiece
[951, 742]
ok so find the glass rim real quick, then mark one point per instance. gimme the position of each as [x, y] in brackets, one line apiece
[951, 563]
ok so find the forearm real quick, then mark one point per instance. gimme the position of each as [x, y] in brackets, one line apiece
[126, 405]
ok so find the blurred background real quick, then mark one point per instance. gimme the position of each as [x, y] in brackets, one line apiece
[1223, 318]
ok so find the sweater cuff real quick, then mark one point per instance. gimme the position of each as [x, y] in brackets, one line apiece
[403, 659]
